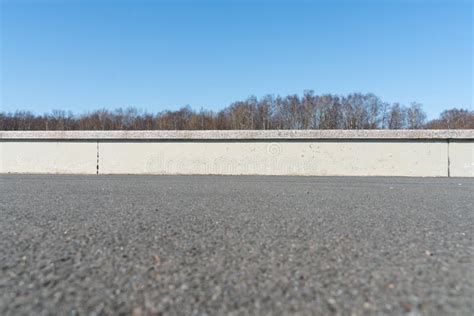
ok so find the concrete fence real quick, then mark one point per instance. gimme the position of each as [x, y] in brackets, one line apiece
[430, 153]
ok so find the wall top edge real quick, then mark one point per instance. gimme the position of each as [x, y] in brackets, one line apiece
[238, 134]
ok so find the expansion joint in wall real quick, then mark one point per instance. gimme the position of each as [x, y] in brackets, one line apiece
[97, 168]
[449, 162]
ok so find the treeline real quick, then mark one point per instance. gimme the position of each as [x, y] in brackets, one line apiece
[309, 111]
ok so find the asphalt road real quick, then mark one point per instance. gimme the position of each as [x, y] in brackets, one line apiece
[184, 245]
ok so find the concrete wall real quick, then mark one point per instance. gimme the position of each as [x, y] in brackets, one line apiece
[355, 158]
[61, 157]
[350, 153]
[461, 161]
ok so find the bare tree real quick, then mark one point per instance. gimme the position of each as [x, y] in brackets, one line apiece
[453, 119]
[415, 116]
[311, 111]
[397, 117]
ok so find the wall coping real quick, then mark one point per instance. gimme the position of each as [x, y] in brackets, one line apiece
[238, 135]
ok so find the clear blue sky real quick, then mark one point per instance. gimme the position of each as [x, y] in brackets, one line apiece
[155, 55]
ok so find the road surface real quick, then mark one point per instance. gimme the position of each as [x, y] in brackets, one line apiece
[196, 245]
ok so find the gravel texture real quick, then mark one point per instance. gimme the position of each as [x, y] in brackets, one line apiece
[197, 245]
[466, 134]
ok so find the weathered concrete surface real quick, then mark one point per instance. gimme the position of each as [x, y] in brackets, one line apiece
[282, 152]
[242, 134]
[48, 157]
[354, 158]
[202, 245]
[461, 158]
